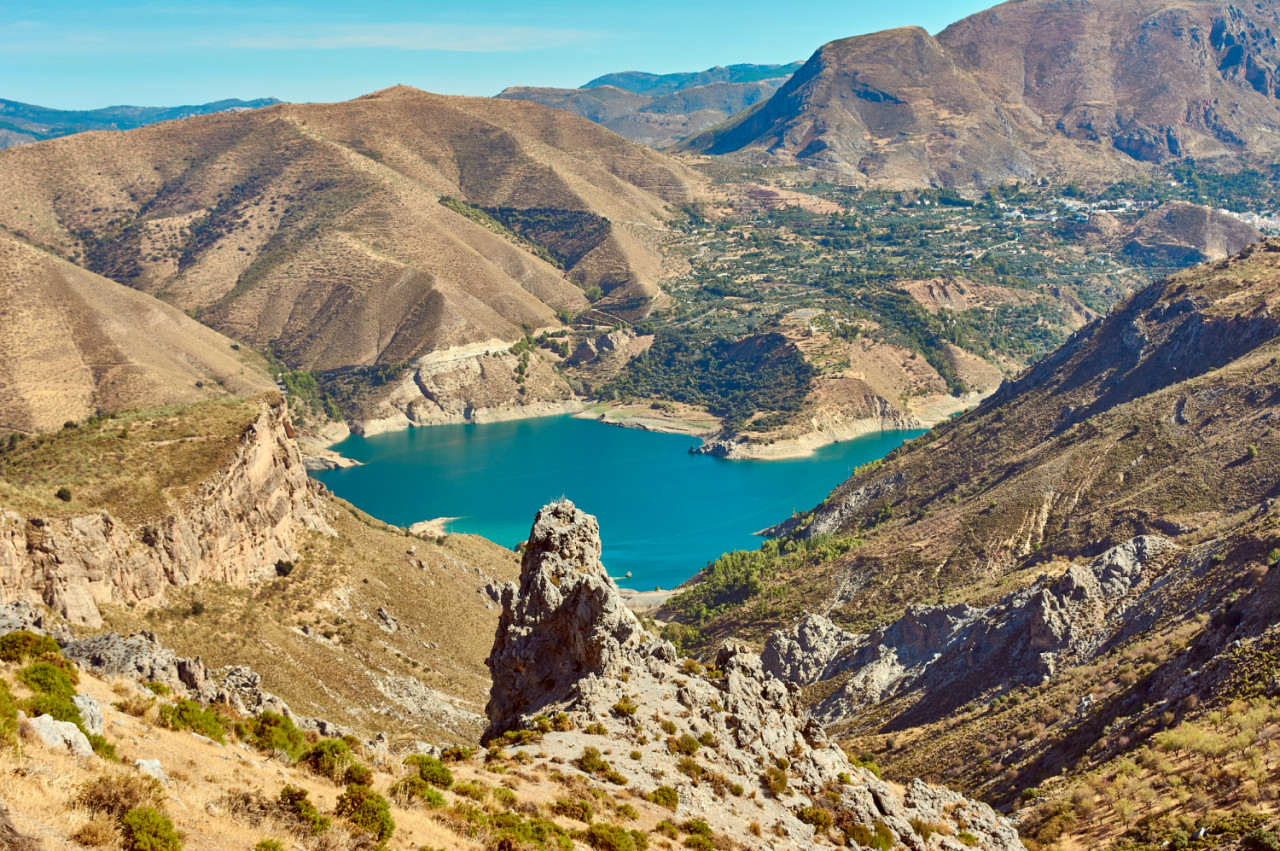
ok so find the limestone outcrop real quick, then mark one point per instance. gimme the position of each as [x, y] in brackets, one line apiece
[233, 528]
[952, 654]
[574, 670]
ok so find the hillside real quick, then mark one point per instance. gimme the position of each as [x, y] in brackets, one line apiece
[371, 231]
[22, 123]
[78, 344]
[1092, 90]
[1070, 579]
[661, 109]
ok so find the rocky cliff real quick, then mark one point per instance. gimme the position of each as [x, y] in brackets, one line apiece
[575, 671]
[233, 527]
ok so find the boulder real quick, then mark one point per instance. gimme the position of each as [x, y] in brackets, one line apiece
[58, 735]
[152, 768]
[90, 713]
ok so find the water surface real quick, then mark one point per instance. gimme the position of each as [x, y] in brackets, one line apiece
[664, 513]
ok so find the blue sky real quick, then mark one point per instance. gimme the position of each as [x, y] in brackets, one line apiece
[77, 54]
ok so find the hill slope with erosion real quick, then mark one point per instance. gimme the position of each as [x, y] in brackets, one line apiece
[370, 231]
[1091, 89]
[1073, 578]
[78, 344]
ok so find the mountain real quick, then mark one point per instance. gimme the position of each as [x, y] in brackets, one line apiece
[1087, 88]
[1075, 574]
[644, 83]
[661, 109]
[370, 231]
[78, 344]
[21, 123]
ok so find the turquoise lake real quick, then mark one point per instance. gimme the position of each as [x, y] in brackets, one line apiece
[664, 513]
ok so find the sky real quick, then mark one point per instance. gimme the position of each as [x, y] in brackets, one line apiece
[83, 54]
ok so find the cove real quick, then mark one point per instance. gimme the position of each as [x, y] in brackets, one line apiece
[664, 513]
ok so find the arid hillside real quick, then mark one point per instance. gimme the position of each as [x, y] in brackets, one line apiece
[77, 344]
[369, 231]
[1091, 89]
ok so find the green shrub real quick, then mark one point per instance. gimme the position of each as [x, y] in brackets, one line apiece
[698, 842]
[64, 494]
[668, 726]
[46, 678]
[148, 829]
[269, 845]
[329, 758]
[358, 773]
[457, 753]
[696, 826]
[159, 689]
[1260, 839]
[922, 828]
[775, 780]
[968, 839]
[608, 837]
[625, 707]
[591, 761]
[664, 796]
[818, 817]
[23, 646]
[475, 790]
[8, 715]
[431, 770]
[686, 745]
[102, 747]
[190, 715]
[273, 732]
[504, 797]
[569, 808]
[294, 802]
[367, 810]
[595, 729]
[58, 708]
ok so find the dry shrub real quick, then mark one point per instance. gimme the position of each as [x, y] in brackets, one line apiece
[98, 832]
[115, 794]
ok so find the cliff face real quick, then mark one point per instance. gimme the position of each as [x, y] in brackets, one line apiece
[231, 527]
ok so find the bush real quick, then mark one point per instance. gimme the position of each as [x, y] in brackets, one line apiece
[367, 810]
[159, 689]
[148, 829]
[595, 729]
[358, 773]
[625, 707]
[775, 780]
[457, 753]
[58, 708]
[818, 817]
[329, 758]
[269, 845]
[664, 796]
[273, 732]
[295, 803]
[922, 828]
[608, 837]
[64, 494]
[8, 715]
[47, 678]
[1260, 840]
[190, 715]
[686, 745]
[116, 794]
[579, 810]
[591, 761]
[23, 646]
[431, 770]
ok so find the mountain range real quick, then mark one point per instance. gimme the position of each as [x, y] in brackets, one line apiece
[1023, 89]
[21, 123]
[660, 109]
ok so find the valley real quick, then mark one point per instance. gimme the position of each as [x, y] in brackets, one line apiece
[930, 383]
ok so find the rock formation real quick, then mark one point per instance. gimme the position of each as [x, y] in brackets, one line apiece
[729, 742]
[233, 529]
[947, 656]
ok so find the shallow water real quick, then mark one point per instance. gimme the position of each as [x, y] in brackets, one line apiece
[664, 513]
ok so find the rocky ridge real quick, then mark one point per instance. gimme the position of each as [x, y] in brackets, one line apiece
[233, 528]
[946, 656]
[568, 649]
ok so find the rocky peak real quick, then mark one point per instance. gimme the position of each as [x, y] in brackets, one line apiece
[574, 672]
[566, 620]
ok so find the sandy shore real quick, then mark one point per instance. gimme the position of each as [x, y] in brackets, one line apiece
[673, 418]
[642, 600]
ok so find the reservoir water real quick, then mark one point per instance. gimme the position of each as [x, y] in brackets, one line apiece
[664, 513]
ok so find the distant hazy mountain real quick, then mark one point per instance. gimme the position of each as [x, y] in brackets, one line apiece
[660, 109]
[21, 123]
[1025, 88]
